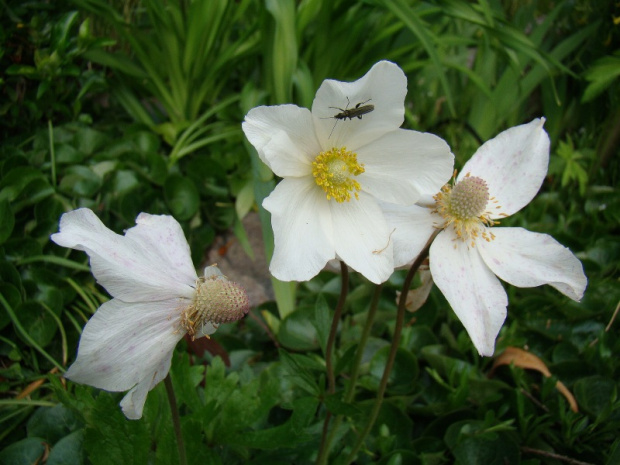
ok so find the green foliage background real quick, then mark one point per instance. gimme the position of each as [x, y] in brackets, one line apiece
[124, 107]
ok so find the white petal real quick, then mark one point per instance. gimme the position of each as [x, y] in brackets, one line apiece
[302, 229]
[384, 87]
[362, 238]
[133, 402]
[124, 344]
[514, 165]
[151, 262]
[475, 294]
[526, 259]
[403, 165]
[411, 227]
[284, 138]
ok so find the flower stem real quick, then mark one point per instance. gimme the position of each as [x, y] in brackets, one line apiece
[350, 392]
[331, 379]
[176, 420]
[400, 317]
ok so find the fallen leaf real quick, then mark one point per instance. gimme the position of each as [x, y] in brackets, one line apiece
[524, 359]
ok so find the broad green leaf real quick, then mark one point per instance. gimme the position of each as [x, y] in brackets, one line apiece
[181, 196]
[7, 220]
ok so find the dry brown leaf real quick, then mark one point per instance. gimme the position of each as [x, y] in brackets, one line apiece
[418, 296]
[524, 359]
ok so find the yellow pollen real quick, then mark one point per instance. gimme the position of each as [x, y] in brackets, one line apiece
[333, 171]
[466, 207]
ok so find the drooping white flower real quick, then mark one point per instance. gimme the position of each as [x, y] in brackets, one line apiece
[502, 177]
[337, 162]
[128, 343]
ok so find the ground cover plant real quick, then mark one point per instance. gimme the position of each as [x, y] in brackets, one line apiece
[165, 127]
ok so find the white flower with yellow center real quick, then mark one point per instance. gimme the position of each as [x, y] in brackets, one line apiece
[502, 177]
[128, 343]
[337, 162]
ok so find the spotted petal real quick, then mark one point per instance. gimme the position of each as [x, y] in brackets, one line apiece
[151, 262]
[513, 164]
[527, 259]
[474, 293]
[128, 346]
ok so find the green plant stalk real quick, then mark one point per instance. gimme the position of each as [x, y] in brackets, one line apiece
[50, 131]
[26, 336]
[331, 380]
[348, 396]
[55, 260]
[91, 305]
[176, 420]
[400, 318]
[63, 334]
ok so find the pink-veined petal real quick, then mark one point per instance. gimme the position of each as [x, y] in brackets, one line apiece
[410, 229]
[163, 237]
[133, 267]
[284, 138]
[302, 229]
[362, 239]
[527, 259]
[124, 344]
[403, 165]
[474, 293]
[384, 87]
[513, 164]
[133, 402]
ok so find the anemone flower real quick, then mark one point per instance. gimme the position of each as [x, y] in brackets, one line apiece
[128, 343]
[470, 253]
[337, 162]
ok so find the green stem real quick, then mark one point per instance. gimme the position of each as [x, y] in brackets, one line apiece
[400, 318]
[331, 379]
[176, 420]
[370, 319]
[50, 133]
[350, 392]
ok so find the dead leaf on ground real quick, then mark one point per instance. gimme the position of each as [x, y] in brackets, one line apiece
[524, 359]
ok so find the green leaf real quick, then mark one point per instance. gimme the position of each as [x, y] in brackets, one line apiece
[68, 450]
[181, 196]
[595, 394]
[25, 452]
[404, 371]
[52, 423]
[7, 220]
[297, 331]
[301, 371]
[322, 321]
[37, 322]
[16, 180]
[80, 181]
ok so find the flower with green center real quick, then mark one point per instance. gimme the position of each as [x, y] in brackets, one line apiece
[502, 177]
[338, 162]
[128, 343]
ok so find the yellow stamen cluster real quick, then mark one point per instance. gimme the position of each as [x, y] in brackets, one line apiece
[464, 206]
[333, 171]
[216, 300]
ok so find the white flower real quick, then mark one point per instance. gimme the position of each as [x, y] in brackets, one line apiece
[502, 177]
[129, 341]
[337, 162]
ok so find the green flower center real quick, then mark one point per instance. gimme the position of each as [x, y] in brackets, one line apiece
[216, 300]
[334, 170]
[464, 207]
